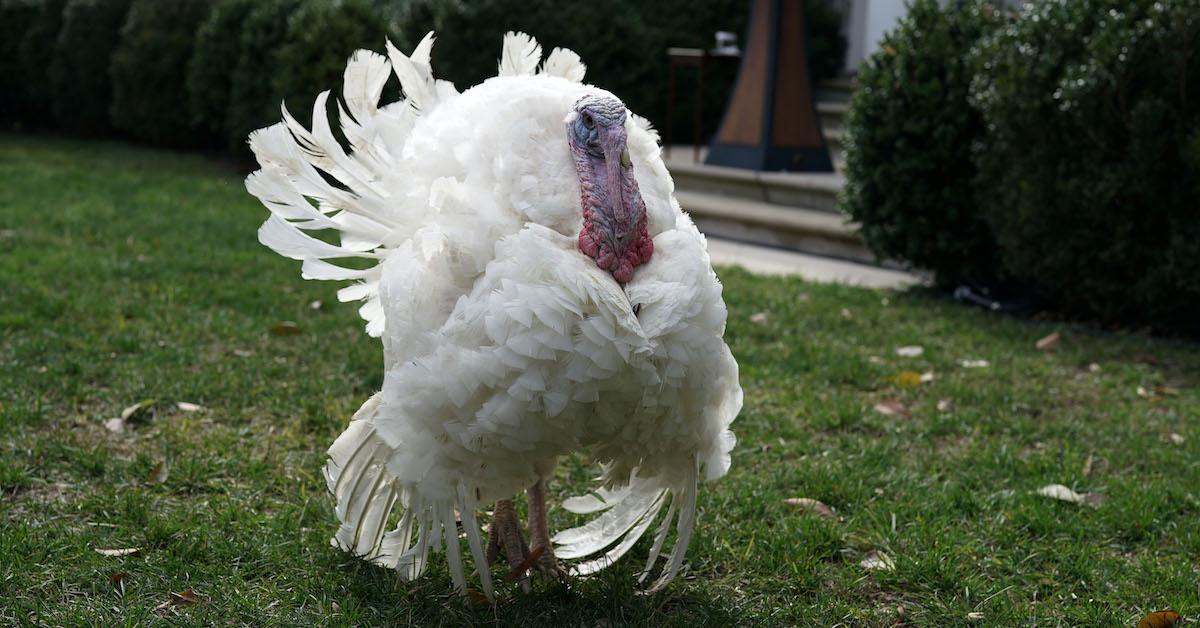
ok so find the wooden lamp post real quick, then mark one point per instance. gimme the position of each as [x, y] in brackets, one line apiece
[771, 120]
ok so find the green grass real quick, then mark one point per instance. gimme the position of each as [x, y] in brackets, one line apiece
[129, 274]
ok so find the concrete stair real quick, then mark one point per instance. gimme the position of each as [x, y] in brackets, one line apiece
[789, 210]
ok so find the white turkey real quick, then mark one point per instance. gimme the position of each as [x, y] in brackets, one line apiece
[538, 292]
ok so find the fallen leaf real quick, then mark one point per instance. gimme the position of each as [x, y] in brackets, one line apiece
[1060, 492]
[1160, 619]
[877, 561]
[1146, 358]
[975, 364]
[945, 405]
[184, 599]
[242, 353]
[807, 504]
[892, 407]
[874, 359]
[1087, 465]
[285, 328]
[911, 351]
[117, 553]
[115, 424]
[928, 376]
[1175, 438]
[759, 318]
[158, 474]
[315, 305]
[184, 406]
[1049, 343]
[117, 580]
[137, 410]
[1093, 367]
[846, 313]
[974, 616]
[908, 379]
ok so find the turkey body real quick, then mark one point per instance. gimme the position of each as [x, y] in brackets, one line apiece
[505, 347]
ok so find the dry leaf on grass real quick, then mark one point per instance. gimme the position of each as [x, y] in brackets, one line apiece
[1175, 437]
[877, 561]
[911, 351]
[846, 313]
[185, 406]
[1156, 392]
[137, 411]
[807, 504]
[242, 353]
[760, 318]
[1049, 343]
[184, 599]
[945, 405]
[1087, 465]
[315, 305]
[975, 364]
[1060, 492]
[285, 328]
[1160, 619]
[892, 407]
[908, 379]
[158, 474]
[974, 616]
[117, 553]
[115, 424]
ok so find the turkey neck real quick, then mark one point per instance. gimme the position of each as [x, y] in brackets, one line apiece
[614, 230]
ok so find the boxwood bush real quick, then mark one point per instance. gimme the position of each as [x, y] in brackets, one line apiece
[36, 53]
[79, 72]
[321, 35]
[253, 100]
[214, 55]
[149, 71]
[16, 17]
[910, 179]
[1089, 175]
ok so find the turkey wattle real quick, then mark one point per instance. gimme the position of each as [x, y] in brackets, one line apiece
[538, 292]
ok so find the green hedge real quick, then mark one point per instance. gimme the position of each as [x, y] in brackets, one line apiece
[149, 71]
[321, 36]
[16, 18]
[79, 72]
[910, 178]
[1089, 175]
[215, 54]
[253, 101]
[36, 53]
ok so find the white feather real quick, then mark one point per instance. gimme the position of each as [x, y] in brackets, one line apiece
[520, 55]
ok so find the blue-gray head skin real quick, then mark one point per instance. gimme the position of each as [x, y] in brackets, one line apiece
[614, 214]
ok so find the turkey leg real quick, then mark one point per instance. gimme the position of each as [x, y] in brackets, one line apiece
[539, 530]
[504, 533]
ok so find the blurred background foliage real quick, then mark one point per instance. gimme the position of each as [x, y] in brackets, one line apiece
[205, 73]
[1049, 155]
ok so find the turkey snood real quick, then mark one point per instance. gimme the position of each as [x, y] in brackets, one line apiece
[614, 214]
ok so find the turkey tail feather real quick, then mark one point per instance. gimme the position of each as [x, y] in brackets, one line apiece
[626, 515]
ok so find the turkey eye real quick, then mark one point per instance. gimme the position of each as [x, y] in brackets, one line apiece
[588, 122]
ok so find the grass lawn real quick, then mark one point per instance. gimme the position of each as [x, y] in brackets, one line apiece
[129, 274]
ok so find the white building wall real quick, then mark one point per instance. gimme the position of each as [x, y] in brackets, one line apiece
[866, 21]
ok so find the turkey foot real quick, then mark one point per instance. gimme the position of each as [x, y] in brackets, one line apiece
[504, 534]
[539, 532]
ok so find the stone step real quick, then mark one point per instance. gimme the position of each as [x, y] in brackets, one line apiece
[832, 115]
[796, 228]
[812, 191]
[836, 90]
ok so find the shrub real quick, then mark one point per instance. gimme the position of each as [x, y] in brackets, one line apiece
[16, 17]
[253, 101]
[909, 176]
[36, 52]
[149, 71]
[214, 55]
[1089, 173]
[79, 72]
[321, 36]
